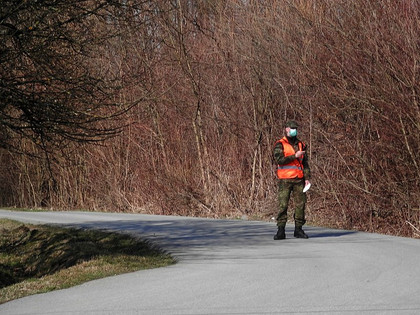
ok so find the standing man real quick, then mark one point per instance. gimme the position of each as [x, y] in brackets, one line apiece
[293, 173]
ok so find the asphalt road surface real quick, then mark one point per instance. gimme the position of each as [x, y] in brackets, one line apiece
[235, 267]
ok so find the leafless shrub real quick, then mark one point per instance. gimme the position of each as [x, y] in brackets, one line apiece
[217, 80]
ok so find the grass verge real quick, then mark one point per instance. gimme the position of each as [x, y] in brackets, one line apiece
[38, 258]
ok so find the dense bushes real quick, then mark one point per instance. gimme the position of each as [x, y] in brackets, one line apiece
[217, 80]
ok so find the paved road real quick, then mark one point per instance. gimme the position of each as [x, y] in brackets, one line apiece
[234, 267]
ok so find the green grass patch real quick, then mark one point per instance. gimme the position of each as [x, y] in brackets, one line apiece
[39, 258]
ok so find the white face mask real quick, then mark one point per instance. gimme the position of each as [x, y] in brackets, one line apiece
[292, 132]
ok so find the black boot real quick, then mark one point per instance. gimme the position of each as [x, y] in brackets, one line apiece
[281, 234]
[299, 233]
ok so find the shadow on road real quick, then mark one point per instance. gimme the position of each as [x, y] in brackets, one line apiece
[321, 233]
[194, 236]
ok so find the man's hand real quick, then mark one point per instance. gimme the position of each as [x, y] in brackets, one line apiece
[307, 186]
[299, 154]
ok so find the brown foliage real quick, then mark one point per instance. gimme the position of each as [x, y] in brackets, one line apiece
[221, 78]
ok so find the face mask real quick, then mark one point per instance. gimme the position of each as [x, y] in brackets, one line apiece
[293, 132]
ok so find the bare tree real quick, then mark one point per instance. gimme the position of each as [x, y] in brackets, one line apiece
[50, 90]
[216, 80]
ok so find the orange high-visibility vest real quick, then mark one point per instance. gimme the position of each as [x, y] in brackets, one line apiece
[295, 168]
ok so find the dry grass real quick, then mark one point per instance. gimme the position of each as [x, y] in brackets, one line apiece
[37, 259]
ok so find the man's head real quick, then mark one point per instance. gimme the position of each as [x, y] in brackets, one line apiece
[291, 128]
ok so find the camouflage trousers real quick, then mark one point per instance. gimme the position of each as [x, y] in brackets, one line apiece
[286, 188]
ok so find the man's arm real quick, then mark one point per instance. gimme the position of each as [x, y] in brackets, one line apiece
[305, 163]
[279, 157]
